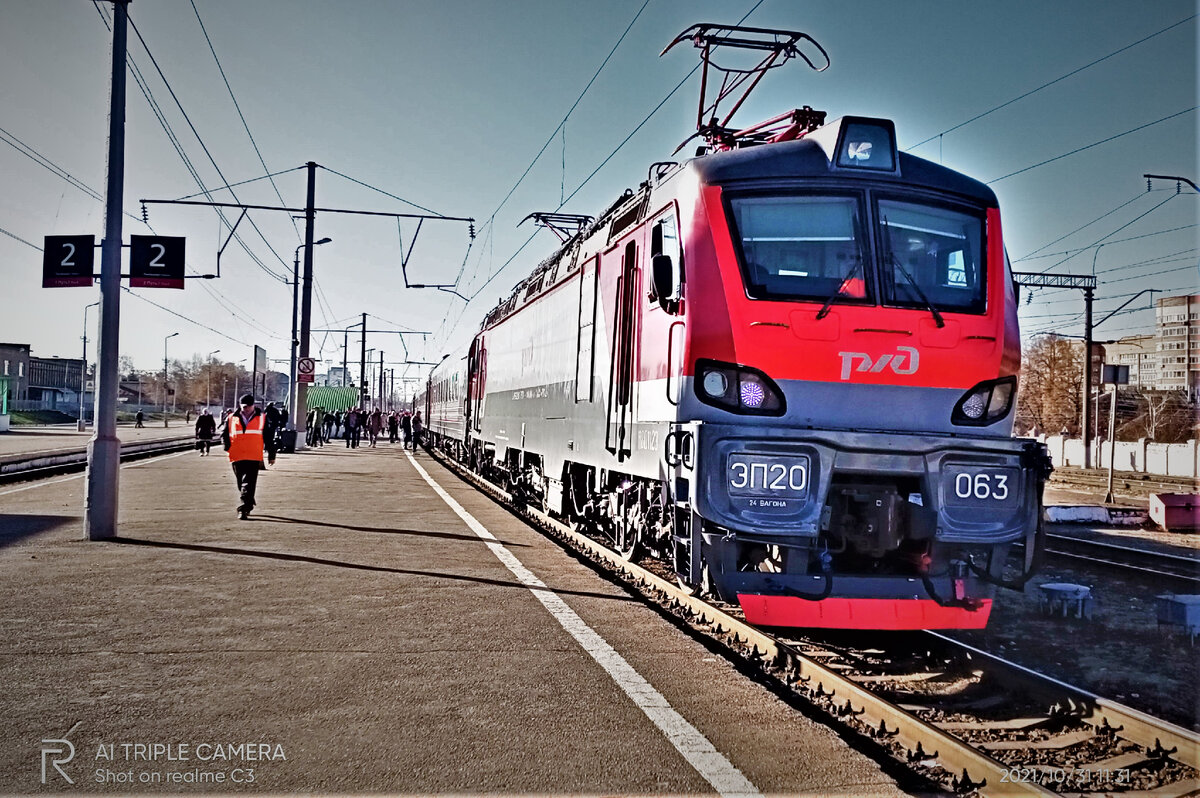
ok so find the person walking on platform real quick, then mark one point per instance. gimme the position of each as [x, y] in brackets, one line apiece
[393, 425]
[138, 419]
[374, 425]
[417, 426]
[328, 422]
[206, 430]
[353, 428]
[247, 437]
[406, 429]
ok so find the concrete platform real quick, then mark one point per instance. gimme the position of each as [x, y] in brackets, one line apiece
[360, 628]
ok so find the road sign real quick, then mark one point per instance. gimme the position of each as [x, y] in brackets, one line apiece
[305, 368]
[1116, 374]
[67, 261]
[156, 261]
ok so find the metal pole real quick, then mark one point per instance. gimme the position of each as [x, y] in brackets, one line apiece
[1085, 424]
[379, 396]
[104, 449]
[292, 378]
[345, 353]
[169, 337]
[1112, 442]
[83, 368]
[362, 366]
[208, 380]
[310, 217]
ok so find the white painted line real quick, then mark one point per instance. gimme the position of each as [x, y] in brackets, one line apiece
[80, 476]
[710, 763]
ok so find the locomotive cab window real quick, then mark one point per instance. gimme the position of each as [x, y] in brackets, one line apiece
[801, 247]
[932, 255]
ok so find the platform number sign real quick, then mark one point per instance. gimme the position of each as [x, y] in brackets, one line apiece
[305, 367]
[156, 261]
[67, 261]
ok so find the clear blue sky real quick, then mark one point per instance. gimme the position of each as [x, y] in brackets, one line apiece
[446, 104]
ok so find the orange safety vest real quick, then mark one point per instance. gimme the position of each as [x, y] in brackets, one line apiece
[246, 442]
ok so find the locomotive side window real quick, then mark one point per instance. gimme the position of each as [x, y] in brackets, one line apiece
[801, 247]
[932, 254]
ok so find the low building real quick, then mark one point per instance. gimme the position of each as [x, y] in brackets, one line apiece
[14, 364]
[56, 383]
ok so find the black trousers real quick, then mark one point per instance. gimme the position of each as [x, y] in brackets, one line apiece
[246, 472]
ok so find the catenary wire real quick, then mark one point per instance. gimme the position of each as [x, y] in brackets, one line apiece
[1093, 144]
[144, 87]
[203, 146]
[1051, 83]
[241, 116]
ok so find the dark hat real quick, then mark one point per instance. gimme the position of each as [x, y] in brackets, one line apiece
[248, 399]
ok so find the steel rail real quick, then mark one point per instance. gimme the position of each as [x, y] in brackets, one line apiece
[1138, 727]
[1140, 562]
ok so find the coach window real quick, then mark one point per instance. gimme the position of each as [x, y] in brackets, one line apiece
[801, 247]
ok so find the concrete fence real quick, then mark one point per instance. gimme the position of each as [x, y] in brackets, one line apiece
[1141, 456]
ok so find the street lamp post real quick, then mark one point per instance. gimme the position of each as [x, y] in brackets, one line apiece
[169, 337]
[237, 376]
[83, 368]
[208, 380]
[295, 341]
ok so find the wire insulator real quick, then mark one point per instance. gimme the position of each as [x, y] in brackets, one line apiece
[145, 214]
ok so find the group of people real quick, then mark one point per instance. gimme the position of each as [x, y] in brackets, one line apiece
[252, 436]
[353, 424]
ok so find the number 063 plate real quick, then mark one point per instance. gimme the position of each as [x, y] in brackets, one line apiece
[981, 486]
[775, 475]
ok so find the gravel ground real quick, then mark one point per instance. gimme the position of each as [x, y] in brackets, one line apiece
[1120, 652]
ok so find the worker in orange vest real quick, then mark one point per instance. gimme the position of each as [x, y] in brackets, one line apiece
[247, 435]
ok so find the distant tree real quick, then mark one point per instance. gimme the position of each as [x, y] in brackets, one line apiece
[1051, 376]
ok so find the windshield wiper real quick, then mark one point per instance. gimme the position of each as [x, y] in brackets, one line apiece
[892, 260]
[824, 311]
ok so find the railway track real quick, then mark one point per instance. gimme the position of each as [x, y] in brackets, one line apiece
[959, 717]
[38, 465]
[1124, 482]
[1180, 573]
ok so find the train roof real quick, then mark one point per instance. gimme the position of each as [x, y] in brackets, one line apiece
[848, 148]
[823, 153]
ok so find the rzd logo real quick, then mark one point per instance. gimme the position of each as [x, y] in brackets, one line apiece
[904, 361]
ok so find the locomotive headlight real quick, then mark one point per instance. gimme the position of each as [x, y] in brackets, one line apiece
[738, 389]
[752, 394]
[715, 384]
[986, 403]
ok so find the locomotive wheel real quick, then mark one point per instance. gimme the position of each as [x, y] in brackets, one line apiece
[628, 543]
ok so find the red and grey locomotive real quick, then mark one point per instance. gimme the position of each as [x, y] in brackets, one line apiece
[787, 366]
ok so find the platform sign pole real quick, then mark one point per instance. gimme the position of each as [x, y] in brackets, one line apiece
[104, 449]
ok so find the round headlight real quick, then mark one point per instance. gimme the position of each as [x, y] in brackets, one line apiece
[715, 384]
[752, 394]
[975, 405]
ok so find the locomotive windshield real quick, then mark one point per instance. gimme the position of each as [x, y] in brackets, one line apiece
[801, 247]
[811, 247]
[932, 256]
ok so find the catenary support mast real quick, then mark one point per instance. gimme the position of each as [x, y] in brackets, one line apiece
[104, 449]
